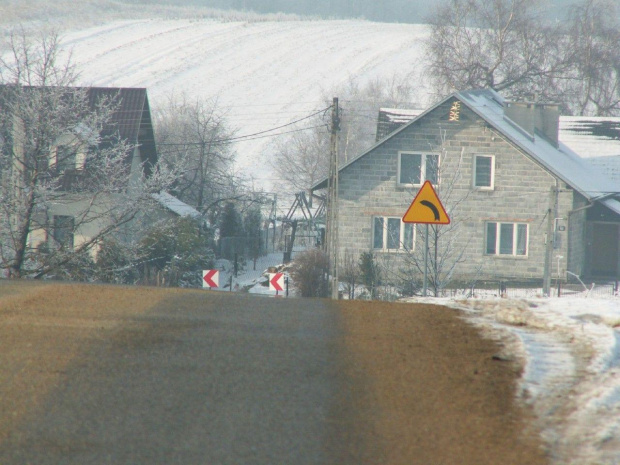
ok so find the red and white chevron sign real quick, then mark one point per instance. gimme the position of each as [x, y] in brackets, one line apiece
[276, 281]
[210, 278]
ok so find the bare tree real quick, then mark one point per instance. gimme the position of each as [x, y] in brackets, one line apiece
[508, 46]
[592, 84]
[303, 158]
[53, 158]
[499, 44]
[360, 104]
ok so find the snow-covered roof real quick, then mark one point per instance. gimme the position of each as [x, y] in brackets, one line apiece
[400, 115]
[175, 205]
[591, 136]
[390, 119]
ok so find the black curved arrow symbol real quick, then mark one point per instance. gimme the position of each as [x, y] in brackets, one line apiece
[430, 205]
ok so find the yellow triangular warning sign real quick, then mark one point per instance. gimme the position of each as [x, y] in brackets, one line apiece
[426, 208]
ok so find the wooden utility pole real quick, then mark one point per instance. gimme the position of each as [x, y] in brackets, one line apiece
[332, 202]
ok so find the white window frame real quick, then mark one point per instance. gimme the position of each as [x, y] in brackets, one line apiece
[515, 241]
[484, 188]
[424, 156]
[384, 235]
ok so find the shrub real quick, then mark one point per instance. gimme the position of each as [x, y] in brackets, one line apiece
[369, 273]
[116, 263]
[79, 267]
[180, 251]
[309, 273]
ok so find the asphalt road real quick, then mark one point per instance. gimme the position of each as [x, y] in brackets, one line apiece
[108, 375]
[216, 380]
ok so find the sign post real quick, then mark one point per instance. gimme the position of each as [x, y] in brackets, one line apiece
[426, 208]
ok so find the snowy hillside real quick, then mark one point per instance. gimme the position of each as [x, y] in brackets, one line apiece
[265, 74]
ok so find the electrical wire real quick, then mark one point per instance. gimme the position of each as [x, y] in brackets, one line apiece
[260, 134]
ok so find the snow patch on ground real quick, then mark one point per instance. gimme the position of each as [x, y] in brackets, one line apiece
[570, 352]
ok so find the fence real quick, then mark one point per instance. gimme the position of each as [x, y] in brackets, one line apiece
[515, 290]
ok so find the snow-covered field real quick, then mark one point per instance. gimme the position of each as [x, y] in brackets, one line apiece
[263, 74]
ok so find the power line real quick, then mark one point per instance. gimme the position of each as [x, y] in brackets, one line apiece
[257, 135]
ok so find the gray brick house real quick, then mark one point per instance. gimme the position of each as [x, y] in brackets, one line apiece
[500, 171]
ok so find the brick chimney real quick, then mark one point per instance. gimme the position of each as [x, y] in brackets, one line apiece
[536, 119]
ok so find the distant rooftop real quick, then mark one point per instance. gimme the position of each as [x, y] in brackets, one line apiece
[591, 136]
[175, 205]
[390, 119]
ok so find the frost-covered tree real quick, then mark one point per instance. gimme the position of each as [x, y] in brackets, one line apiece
[360, 103]
[231, 224]
[196, 135]
[592, 83]
[302, 159]
[54, 157]
[179, 250]
[232, 241]
[500, 44]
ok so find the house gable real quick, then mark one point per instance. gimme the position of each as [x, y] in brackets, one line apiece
[131, 121]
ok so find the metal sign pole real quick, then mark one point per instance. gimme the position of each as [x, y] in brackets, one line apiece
[425, 288]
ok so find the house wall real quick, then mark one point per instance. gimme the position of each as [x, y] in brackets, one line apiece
[577, 236]
[522, 193]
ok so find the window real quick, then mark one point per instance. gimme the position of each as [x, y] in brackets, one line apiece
[392, 234]
[484, 172]
[66, 158]
[415, 168]
[63, 231]
[506, 239]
